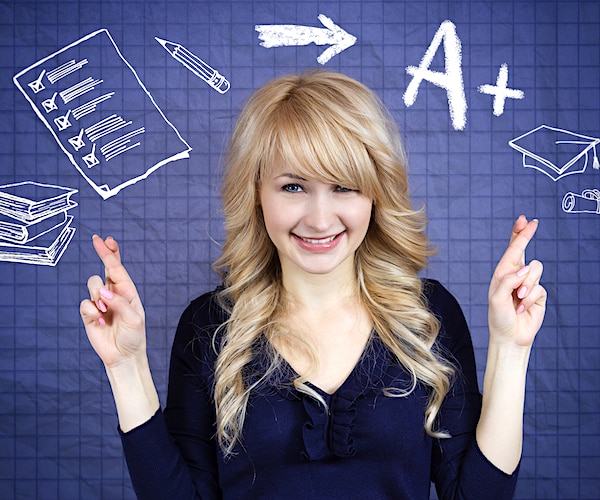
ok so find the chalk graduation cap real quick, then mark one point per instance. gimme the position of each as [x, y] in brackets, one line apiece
[556, 152]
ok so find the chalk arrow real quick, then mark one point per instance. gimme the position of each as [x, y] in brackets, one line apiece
[279, 35]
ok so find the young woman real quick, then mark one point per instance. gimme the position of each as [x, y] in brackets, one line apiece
[324, 367]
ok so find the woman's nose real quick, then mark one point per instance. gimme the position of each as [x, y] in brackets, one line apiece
[320, 212]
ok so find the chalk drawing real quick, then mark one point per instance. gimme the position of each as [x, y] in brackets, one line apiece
[37, 85]
[34, 225]
[92, 77]
[280, 35]
[106, 126]
[588, 202]
[79, 89]
[559, 153]
[65, 70]
[556, 152]
[196, 65]
[90, 159]
[451, 79]
[121, 144]
[50, 104]
[500, 91]
[62, 122]
[90, 106]
[77, 141]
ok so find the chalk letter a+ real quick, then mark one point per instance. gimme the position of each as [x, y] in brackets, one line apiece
[451, 79]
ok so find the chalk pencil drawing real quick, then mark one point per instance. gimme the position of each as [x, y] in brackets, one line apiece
[34, 225]
[93, 102]
[556, 152]
[286, 35]
[196, 65]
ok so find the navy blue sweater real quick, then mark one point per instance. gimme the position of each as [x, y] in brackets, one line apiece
[364, 445]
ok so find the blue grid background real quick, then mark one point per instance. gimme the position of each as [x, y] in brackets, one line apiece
[57, 421]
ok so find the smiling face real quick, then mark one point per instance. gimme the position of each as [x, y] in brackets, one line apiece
[315, 226]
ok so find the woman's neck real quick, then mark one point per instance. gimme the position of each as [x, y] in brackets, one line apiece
[321, 292]
[328, 323]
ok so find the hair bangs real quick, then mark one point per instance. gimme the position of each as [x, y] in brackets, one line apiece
[312, 144]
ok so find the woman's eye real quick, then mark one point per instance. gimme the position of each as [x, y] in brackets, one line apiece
[292, 188]
[343, 189]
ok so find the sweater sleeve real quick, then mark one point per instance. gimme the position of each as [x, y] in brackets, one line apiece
[155, 464]
[459, 469]
[173, 455]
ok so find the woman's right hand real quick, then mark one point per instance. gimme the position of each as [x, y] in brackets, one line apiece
[113, 316]
[114, 320]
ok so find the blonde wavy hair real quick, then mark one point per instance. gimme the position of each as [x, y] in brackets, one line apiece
[333, 129]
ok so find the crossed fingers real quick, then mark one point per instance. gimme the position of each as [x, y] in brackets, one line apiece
[116, 280]
[516, 284]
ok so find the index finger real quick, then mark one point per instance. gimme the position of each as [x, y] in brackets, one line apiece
[520, 238]
[518, 226]
[108, 251]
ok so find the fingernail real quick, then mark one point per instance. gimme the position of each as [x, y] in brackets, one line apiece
[523, 271]
[106, 293]
[520, 309]
[101, 321]
[522, 292]
[102, 306]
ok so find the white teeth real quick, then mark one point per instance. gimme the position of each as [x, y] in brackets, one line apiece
[320, 242]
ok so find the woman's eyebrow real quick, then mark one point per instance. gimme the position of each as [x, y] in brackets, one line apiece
[292, 176]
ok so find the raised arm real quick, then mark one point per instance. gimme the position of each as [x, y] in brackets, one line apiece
[517, 303]
[114, 320]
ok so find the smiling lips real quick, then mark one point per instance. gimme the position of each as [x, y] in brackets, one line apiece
[321, 241]
[318, 245]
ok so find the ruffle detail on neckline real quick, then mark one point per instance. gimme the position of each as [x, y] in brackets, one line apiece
[327, 432]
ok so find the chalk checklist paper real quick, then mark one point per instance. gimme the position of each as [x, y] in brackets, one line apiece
[101, 114]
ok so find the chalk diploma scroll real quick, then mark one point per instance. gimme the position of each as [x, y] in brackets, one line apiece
[101, 114]
[587, 202]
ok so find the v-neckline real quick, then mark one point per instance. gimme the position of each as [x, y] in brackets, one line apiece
[288, 368]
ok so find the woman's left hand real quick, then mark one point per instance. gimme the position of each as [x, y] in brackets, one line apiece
[517, 301]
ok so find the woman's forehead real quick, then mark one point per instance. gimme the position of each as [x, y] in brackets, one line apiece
[282, 170]
[301, 170]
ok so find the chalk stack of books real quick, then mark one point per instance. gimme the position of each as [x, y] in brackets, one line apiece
[34, 225]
